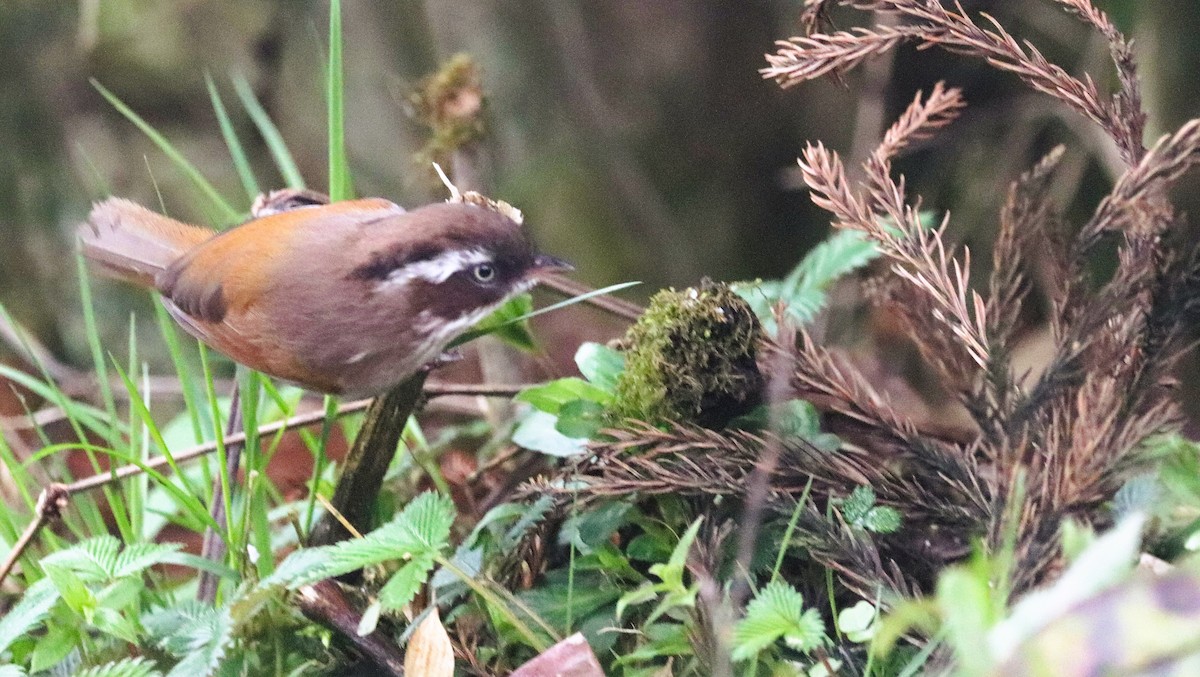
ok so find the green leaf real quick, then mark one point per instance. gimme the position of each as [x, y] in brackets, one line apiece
[101, 558]
[777, 612]
[882, 519]
[647, 592]
[804, 291]
[476, 333]
[537, 432]
[126, 667]
[507, 323]
[590, 529]
[28, 613]
[600, 364]
[856, 506]
[550, 397]
[71, 588]
[193, 631]
[421, 528]
[581, 419]
[112, 622]
[60, 639]
[968, 607]
[404, 584]
[240, 162]
[860, 622]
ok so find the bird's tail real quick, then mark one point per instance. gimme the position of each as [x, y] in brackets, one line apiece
[133, 243]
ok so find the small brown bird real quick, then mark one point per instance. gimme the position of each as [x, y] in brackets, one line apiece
[348, 298]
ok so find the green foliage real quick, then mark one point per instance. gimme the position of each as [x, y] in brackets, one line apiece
[777, 612]
[793, 419]
[860, 511]
[860, 622]
[670, 590]
[569, 411]
[195, 633]
[126, 667]
[417, 535]
[804, 291]
[691, 357]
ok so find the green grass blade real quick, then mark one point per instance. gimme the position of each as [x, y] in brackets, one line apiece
[270, 133]
[143, 412]
[256, 502]
[225, 212]
[99, 364]
[340, 187]
[474, 334]
[135, 489]
[222, 456]
[240, 162]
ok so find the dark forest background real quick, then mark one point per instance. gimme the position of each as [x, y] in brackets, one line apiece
[637, 136]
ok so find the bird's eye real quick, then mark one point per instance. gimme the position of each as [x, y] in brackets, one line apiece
[484, 272]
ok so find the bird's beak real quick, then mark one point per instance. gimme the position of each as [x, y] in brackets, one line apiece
[544, 264]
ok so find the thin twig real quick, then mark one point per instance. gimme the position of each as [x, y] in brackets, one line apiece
[58, 494]
[759, 482]
[52, 501]
[214, 547]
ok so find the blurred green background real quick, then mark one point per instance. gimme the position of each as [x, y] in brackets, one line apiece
[636, 135]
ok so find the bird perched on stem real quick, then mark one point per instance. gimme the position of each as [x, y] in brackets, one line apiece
[348, 298]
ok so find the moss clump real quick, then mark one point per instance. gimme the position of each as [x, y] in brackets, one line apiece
[451, 104]
[691, 358]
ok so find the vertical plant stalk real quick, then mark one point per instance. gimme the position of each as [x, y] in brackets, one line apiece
[214, 547]
[368, 461]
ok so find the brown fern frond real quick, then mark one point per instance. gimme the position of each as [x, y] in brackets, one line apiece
[1129, 114]
[810, 57]
[815, 16]
[1135, 203]
[817, 54]
[919, 121]
[1027, 217]
[918, 254]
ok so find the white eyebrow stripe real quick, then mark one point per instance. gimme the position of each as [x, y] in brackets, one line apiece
[437, 269]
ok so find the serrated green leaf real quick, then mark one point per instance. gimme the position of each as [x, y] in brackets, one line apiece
[421, 528]
[600, 365]
[27, 613]
[531, 516]
[804, 291]
[60, 639]
[102, 559]
[71, 588]
[404, 584]
[856, 506]
[882, 519]
[843, 252]
[193, 631]
[126, 667]
[777, 612]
